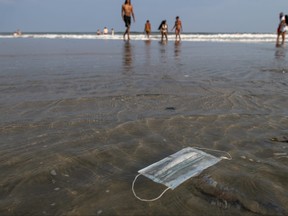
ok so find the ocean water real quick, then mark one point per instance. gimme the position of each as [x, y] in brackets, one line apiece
[81, 115]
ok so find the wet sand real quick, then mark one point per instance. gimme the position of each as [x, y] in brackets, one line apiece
[79, 118]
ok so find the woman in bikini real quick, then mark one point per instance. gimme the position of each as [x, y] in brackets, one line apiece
[281, 31]
[164, 30]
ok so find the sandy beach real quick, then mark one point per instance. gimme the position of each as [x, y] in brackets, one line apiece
[79, 118]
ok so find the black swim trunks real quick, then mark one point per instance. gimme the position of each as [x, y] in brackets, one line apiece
[127, 20]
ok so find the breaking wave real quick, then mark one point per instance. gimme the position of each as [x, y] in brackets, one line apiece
[195, 37]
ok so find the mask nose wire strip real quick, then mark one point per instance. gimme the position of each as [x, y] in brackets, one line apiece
[146, 200]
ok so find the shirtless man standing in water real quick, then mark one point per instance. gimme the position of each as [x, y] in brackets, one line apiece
[126, 12]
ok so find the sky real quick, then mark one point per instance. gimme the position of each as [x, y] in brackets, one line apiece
[89, 15]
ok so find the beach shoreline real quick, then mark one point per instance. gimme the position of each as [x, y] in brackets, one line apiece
[235, 37]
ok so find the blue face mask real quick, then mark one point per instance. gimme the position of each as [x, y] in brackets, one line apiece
[177, 168]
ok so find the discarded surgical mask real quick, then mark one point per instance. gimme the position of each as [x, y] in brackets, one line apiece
[177, 168]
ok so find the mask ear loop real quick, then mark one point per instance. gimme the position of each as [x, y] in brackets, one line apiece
[146, 200]
[229, 157]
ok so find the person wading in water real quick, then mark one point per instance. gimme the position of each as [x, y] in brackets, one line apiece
[178, 28]
[126, 13]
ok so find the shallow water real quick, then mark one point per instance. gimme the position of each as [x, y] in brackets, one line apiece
[79, 118]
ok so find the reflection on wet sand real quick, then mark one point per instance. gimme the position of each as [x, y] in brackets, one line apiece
[147, 52]
[280, 53]
[177, 49]
[147, 42]
[163, 53]
[127, 57]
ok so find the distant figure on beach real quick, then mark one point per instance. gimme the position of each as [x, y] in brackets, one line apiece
[112, 31]
[281, 31]
[98, 32]
[126, 13]
[147, 28]
[105, 30]
[18, 33]
[178, 28]
[164, 30]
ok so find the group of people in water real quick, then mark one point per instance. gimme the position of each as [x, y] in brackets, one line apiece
[127, 12]
[164, 29]
[105, 31]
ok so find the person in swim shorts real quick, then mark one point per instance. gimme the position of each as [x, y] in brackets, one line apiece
[147, 28]
[281, 31]
[178, 28]
[127, 21]
[126, 13]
